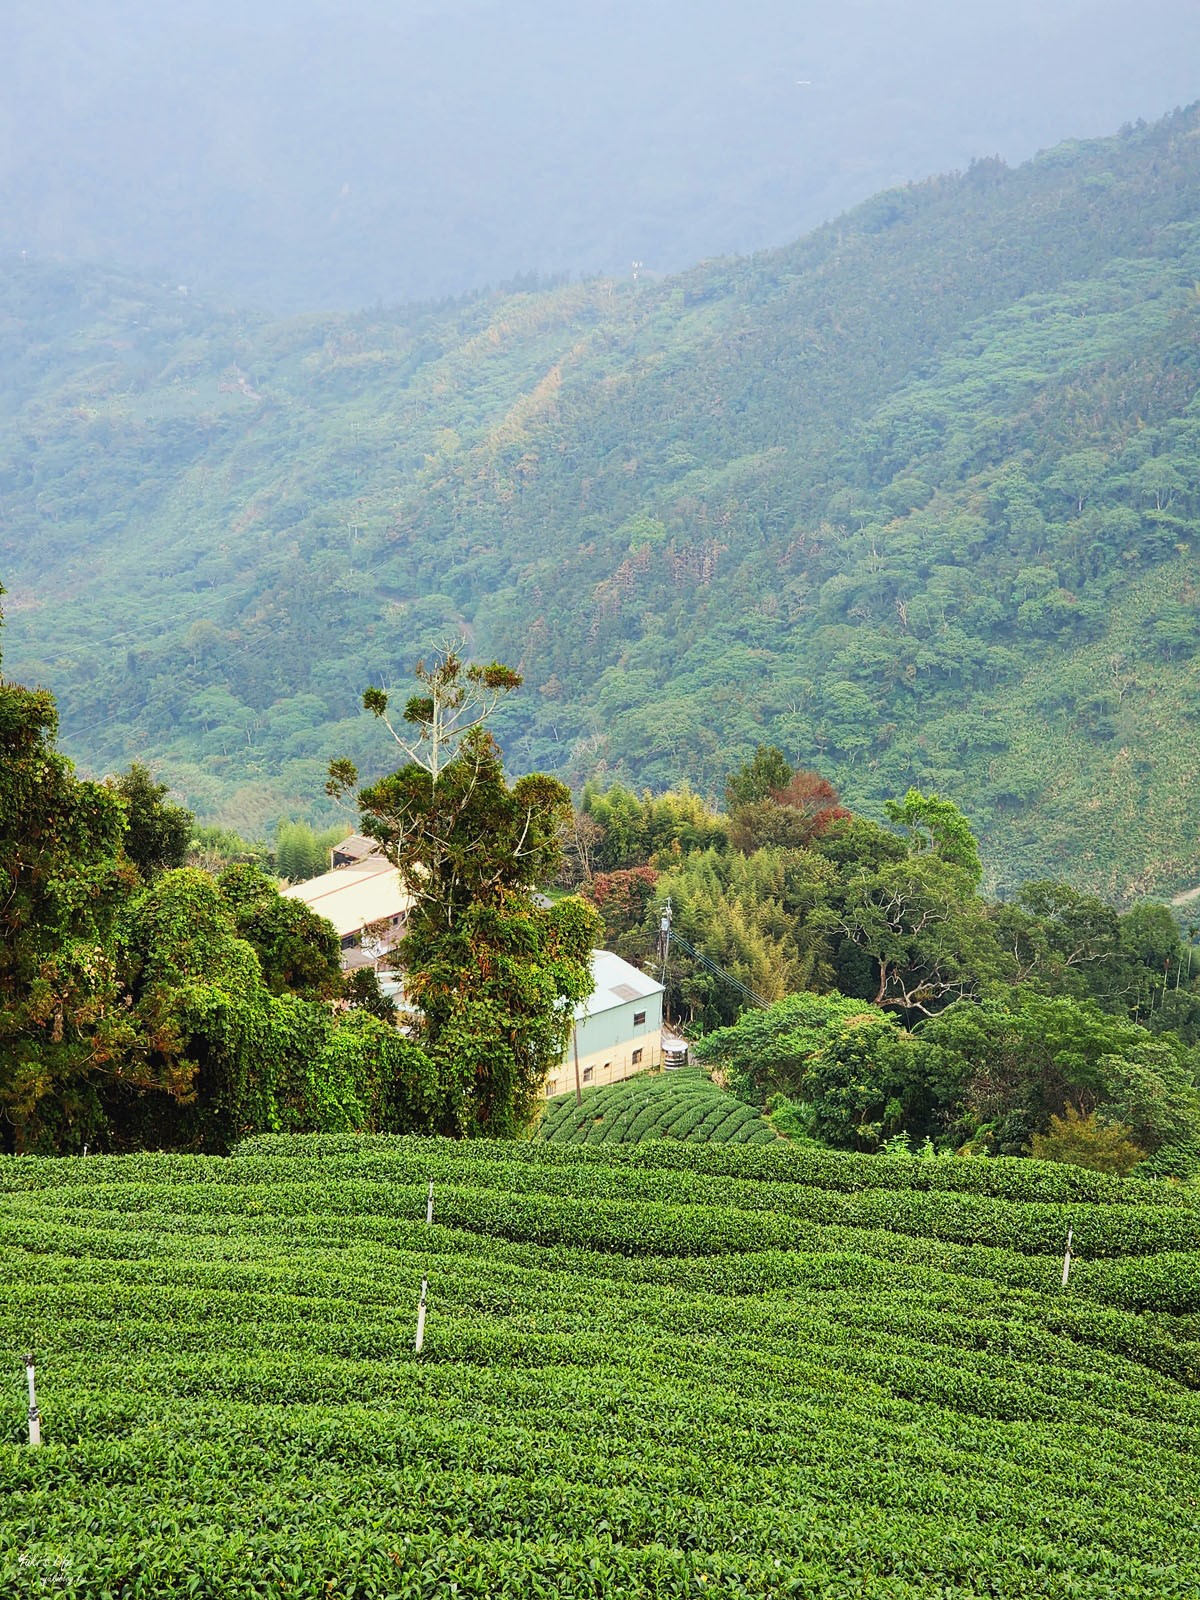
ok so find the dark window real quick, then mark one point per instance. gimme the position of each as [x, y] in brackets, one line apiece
[638, 1018]
[587, 1074]
[637, 1058]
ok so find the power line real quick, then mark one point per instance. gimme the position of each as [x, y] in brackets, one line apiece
[719, 971]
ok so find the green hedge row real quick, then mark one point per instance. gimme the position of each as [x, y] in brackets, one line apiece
[642, 1376]
[783, 1162]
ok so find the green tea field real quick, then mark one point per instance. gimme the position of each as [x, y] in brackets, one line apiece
[683, 1104]
[656, 1369]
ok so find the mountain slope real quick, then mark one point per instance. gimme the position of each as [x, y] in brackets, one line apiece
[915, 498]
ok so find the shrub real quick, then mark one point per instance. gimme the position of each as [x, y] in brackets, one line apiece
[1089, 1141]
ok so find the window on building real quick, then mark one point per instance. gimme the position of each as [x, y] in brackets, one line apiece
[638, 1018]
[587, 1074]
[637, 1058]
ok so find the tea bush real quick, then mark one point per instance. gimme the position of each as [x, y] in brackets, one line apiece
[667, 1368]
[683, 1104]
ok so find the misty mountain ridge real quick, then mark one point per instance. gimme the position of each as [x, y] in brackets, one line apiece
[310, 155]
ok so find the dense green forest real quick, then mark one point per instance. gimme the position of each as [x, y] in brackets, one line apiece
[853, 982]
[914, 499]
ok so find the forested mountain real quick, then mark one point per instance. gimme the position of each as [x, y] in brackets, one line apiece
[915, 499]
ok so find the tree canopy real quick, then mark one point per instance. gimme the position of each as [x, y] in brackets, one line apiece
[63, 880]
[906, 1005]
[157, 831]
[492, 972]
[143, 1003]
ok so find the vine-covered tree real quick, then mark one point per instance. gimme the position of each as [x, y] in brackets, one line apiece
[62, 880]
[297, 949]
[158, 832]
[163, 1012]
[236, 1048]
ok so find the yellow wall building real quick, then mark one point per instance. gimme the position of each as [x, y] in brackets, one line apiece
[618, 1028]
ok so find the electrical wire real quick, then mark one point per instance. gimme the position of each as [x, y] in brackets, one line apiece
[719, 971]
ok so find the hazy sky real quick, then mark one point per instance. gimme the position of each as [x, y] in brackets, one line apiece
[296, 153]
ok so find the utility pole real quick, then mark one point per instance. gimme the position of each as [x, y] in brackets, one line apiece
[664, 940]
[664, 949]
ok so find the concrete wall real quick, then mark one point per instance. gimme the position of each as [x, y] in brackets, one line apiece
[608, 1043]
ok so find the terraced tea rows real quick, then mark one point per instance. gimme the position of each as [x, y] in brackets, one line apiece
[658, 1369]
[684, 1104]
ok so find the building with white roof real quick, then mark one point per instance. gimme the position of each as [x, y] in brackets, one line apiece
[618, 1028]
[365, 903]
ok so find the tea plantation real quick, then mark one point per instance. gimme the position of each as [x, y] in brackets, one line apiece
[683, 1104]
[655, 1369]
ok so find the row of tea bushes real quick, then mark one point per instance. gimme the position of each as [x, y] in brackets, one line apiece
[682, 1104]
[639, 1378]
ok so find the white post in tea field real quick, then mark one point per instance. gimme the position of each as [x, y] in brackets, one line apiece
[35, 1420]
[421, 1316]
[429, 1206]
[1067, 1259]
